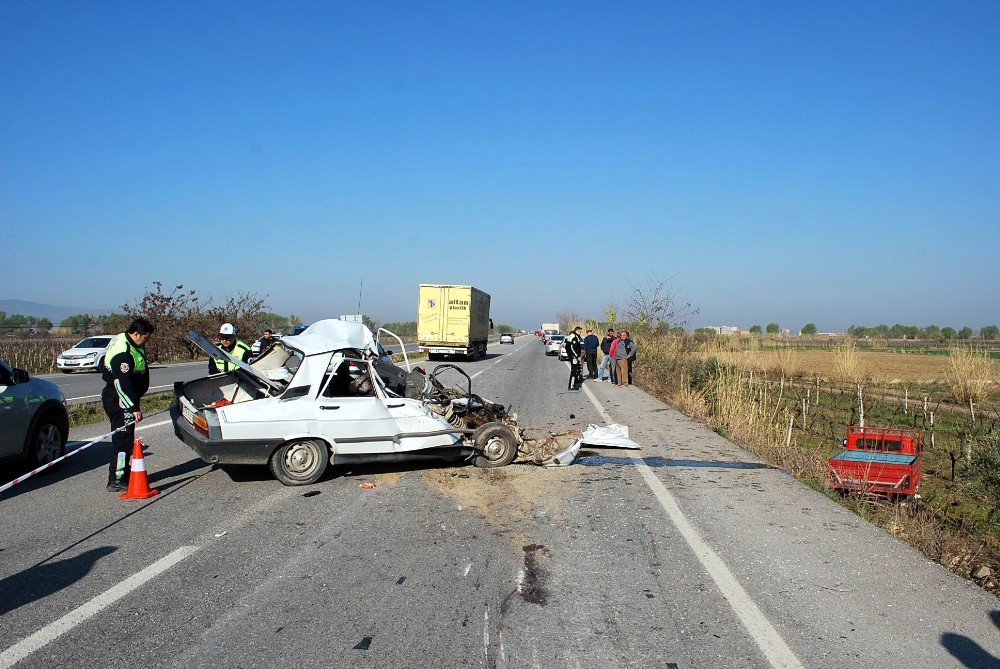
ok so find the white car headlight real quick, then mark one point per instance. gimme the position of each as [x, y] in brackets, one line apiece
[91, 355]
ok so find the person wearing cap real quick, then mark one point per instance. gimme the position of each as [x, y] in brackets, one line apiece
[126, 380]
[231, 345]
[590, 345]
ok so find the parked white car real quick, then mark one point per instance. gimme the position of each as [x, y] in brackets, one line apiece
[316, 398]
[87, 354]
[553, 344]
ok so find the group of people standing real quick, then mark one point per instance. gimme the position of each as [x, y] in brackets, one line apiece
[619, 354]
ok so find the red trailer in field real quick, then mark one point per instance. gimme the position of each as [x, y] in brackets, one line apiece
[878, 461]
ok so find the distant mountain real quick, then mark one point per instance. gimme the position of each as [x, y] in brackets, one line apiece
[53, 312]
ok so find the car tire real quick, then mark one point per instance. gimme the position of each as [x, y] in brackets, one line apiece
[100, 365]
[497, 445]
[300, 462]
[47, 440]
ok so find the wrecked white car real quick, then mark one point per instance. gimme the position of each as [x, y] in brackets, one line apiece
[317, 398]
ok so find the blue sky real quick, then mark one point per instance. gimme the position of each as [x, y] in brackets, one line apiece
[792, 162]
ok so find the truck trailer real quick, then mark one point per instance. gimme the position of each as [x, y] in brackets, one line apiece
[550, 328]
[452, 320]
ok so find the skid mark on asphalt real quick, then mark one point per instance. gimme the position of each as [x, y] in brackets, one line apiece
[82, 613]
[774, 648]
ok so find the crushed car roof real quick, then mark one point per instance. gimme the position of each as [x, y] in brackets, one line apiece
[331, 334]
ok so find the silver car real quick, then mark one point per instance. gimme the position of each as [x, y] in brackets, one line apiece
[34, 423]
[553, 344]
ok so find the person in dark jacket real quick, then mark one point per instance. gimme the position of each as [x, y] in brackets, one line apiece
[126, 380]
[633, 351]
[607, 370]
[266, 343]
[590, 345]
[574, 351]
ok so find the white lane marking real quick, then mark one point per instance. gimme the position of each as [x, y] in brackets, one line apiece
[87, 397]
[498, 360]
[486, 636]
[777, 652]
[54, 630]
[467, 568]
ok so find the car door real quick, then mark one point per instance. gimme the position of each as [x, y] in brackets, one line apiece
[416, 425]
[15, 413]
[350, 412]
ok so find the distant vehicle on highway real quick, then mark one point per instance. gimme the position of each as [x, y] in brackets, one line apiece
[87, 354]
[506, 338]
[553, 344]
[453, 320]
[34, 423]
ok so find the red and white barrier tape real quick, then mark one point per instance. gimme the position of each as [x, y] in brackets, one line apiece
[19, 479]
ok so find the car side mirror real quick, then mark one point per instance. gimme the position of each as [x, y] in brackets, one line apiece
[388, 351]
[845, 443]
[20, 376]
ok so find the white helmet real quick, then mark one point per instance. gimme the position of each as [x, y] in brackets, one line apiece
[227, 330]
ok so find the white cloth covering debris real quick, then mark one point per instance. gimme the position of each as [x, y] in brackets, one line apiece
[609, 436]
[606, 436]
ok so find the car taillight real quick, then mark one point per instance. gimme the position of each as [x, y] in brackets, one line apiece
[201, 425]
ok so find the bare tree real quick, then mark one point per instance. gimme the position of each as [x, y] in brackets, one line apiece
[176, 312]
[655, 306]
[568, 319]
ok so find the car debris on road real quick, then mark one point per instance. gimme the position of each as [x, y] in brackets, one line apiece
[560, 449]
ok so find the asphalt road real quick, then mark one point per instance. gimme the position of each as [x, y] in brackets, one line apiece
[86, 386]
[690, 554]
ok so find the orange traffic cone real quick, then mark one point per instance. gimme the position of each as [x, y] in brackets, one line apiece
[138, 481]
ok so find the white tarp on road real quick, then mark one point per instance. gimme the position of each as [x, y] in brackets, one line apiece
[609, 436]
[606, 436]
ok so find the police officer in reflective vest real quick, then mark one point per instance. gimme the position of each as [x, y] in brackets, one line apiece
[231, 345]
[126, 380]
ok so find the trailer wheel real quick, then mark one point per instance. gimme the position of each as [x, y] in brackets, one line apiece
[300, 462]
[497, 444]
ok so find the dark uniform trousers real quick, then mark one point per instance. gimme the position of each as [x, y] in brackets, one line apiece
[121, 441]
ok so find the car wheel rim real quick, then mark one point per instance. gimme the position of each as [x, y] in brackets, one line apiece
[301, 460]
[495, 448]
[49, 443]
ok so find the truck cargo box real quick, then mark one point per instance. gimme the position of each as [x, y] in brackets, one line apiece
[452, 320]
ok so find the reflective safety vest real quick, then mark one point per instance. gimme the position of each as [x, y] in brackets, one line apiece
[120, 344]
[239, 350]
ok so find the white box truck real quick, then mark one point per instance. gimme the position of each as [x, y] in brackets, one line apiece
[452, 320]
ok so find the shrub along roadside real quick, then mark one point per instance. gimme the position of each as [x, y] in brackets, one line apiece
[92, 412]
